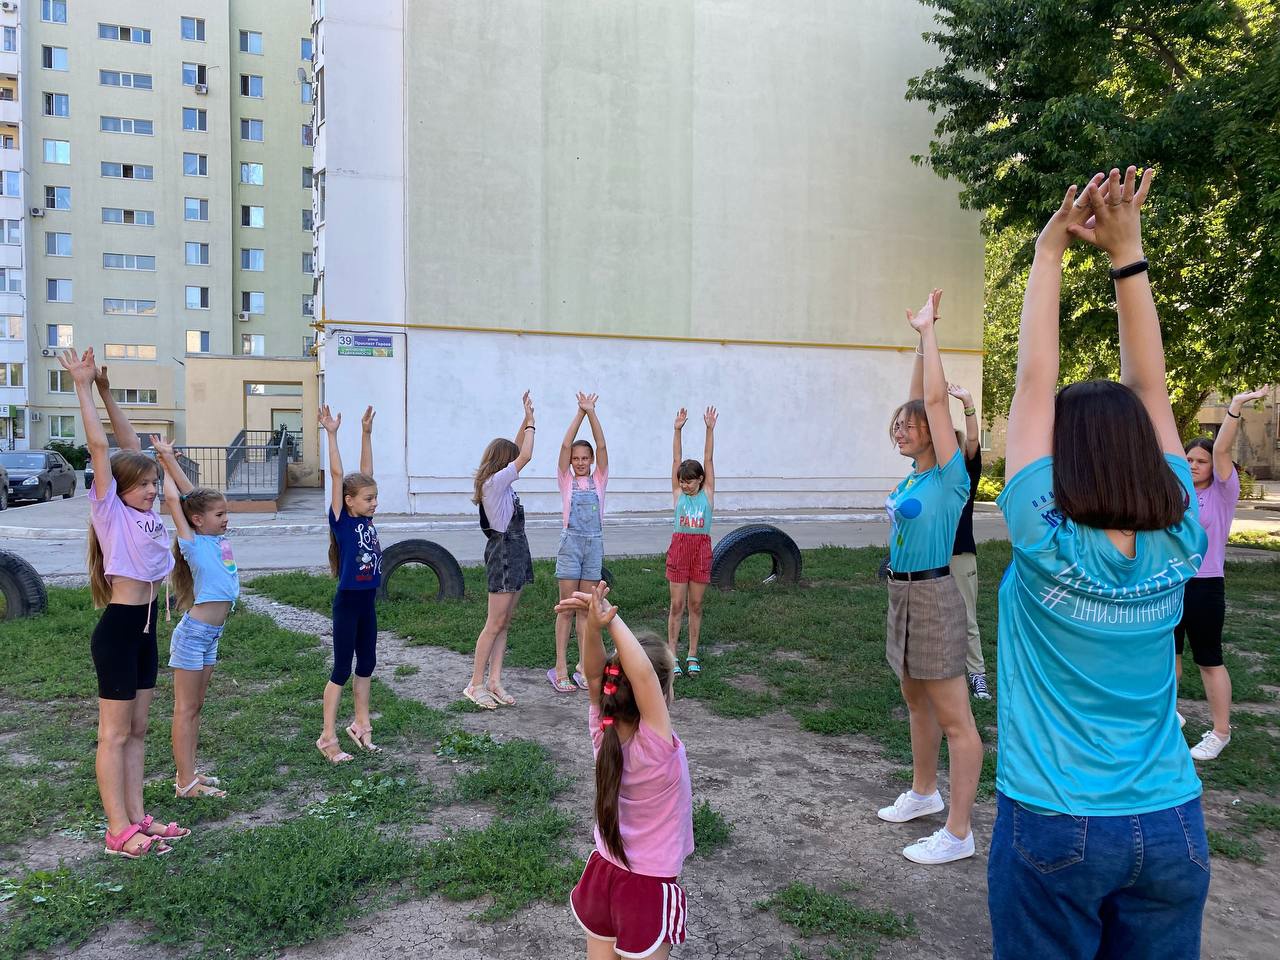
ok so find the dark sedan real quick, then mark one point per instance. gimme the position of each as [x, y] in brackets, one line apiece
[38, 475]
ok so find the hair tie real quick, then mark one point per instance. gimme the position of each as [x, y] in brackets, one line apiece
[613, 670]
[610, 688]
[606, 722]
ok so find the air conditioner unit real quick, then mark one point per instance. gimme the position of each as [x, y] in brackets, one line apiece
[202, 88]
[37, 211]
[8, 5]
[244, 316]
[48, 352]
[36, 415]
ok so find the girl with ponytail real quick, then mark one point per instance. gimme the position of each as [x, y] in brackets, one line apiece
[629, 900]
[206, 583]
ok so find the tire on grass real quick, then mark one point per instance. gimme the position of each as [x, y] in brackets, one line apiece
[23, 589]
[429, 554]
[755, 538]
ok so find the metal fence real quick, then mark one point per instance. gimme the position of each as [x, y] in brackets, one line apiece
[254, 466]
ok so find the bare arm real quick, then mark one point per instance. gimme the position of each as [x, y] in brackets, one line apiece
[176, 486]
[677, 454]
[597, 433]
[331, 424]
[525, 420]
[937, 405]
[126, 436]
[566, 445]
[917, 374]
[971, 434]
[366, 442]
[168, 460]
[82, 372]
[1226, 438]
[524, 439]
[708, 450]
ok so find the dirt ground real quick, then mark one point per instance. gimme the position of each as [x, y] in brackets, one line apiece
[802, 807]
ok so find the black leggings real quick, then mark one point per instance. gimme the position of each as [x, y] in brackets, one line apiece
[123, 647]
[355, 632]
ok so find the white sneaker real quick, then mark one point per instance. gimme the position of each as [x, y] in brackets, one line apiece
[907, 807]
[1210, 746]
[939, 848]
[1182, 721]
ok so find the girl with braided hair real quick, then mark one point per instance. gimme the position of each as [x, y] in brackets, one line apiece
[629, 900]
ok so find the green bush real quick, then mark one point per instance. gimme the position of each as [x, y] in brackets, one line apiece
[1250, 489]
[74, 454]
[1257, 539]
[989, 488]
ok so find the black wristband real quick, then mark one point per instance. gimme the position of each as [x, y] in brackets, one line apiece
[1230, 414]
[1119, 273]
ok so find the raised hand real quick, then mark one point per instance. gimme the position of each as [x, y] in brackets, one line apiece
[710, 417]
[528, 407]
[587, 402]
[682, 417]
[81, 367]
[1116, 223]
[1073, 212]
[924, 319]
[100, 377]
[366, 422]
[161, 446]
[1240, 399]
[961, 394]
[328, 420]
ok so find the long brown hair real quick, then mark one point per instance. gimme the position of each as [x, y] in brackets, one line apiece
[352, 484]
[497, 455]
[621, 705]
[199, 501]
[129, 468]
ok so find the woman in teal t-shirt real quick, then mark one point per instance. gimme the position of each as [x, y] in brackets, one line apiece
[1099, 846]
[927, 638]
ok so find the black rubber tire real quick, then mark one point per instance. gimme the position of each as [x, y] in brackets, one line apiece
[23, 589]
[429, 554]
[46, 493]
[4, 499]
[748, 541]
[71, 490]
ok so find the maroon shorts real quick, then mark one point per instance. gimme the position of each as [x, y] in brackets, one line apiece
[638, 914]
[689, 558]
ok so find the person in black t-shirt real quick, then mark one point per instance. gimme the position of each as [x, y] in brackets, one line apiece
[964, 555]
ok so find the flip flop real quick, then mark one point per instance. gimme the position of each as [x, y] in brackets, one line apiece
[581, 680]
[559, 684]
[504, 699]
[481, 697]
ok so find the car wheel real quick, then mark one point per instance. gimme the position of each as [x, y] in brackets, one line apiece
[4, 499]
[71, 490]
[46, 493]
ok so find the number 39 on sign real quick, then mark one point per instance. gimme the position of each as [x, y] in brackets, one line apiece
[364, 345]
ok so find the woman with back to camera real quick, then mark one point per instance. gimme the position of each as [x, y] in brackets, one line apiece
[1099, 847]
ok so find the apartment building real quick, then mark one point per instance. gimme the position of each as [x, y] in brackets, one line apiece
[167, 152]
[13, 304]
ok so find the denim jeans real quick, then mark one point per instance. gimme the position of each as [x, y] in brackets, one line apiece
[1097, 888]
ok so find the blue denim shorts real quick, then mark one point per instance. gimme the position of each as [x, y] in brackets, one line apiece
[194, 645]
[580, 557]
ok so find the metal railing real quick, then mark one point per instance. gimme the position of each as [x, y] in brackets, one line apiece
[245, 469]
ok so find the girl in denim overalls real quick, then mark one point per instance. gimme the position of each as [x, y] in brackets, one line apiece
[580, 560]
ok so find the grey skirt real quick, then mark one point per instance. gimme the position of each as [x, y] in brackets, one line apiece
[926, 633]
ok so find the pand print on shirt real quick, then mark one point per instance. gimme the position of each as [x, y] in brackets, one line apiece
[694, 519]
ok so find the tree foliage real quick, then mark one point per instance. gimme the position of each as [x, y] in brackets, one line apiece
[1034, 95]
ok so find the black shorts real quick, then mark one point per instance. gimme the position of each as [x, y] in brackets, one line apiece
[124, 650]
[1204, 607]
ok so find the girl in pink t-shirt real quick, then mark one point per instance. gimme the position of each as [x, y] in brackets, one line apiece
[128, 561]
[1204, 606]
[629, 896]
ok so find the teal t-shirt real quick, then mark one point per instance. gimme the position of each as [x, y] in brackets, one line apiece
[923, 512]
[693, 514]
[1087, 705]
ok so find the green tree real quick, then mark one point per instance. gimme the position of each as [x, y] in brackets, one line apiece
[1033, 95]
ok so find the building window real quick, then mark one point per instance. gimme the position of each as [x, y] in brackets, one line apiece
[308, 135]
[117, 78]
[113, 306]
[195, 208]
[984, 439]
[57, 198]
[309, 305]
[11, 183]
[60, 382]
[253, 259]
[129, 351]
[57, 151]
[193, 29]
[250, 85]
[307, 92]
[197, 254]
[130, 261]
[58, 335]
[57, 244]
[10, 280]
[250, 41]
[253, 301]
[62, 426]
[195, 119]
[134, 395]
[193, 73]
[197, 341]
[251, 130]
[308, 48]
[253, 344]
[197, 298]
[138, 218]
[308, 263]
[11, 328]
[251, 173]
[308, 220]
[308, 176]
[10, 39]
[195, 165]
[53, 11]
[128, 171]
[253, 216]
[53, 58]
[113, 31]
[141, 128]
[11, 232]
[11, 375]
[57, 105]
[57, 291]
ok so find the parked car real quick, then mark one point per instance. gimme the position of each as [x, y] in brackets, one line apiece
[4, 488]
[37, 475]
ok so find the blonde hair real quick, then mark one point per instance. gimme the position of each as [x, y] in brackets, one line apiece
[497, 455]
[199, 501]
[128, 468]
[352, 484]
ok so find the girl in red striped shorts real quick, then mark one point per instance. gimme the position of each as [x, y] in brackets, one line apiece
[693, 490]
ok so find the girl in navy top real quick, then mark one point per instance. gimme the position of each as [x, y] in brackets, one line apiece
[355, 558]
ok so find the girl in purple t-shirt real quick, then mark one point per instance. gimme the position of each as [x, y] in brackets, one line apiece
[128, 561]
[629, 895]
[1204, 606]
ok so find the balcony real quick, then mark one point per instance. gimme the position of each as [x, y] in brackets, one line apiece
[10, 112]
[9, 62]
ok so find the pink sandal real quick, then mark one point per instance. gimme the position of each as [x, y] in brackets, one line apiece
[560, 684]
[171, 831]
[116, 842]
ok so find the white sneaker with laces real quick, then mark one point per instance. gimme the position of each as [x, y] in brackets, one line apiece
[907, 807]
[1210, 746]
[941, 847]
